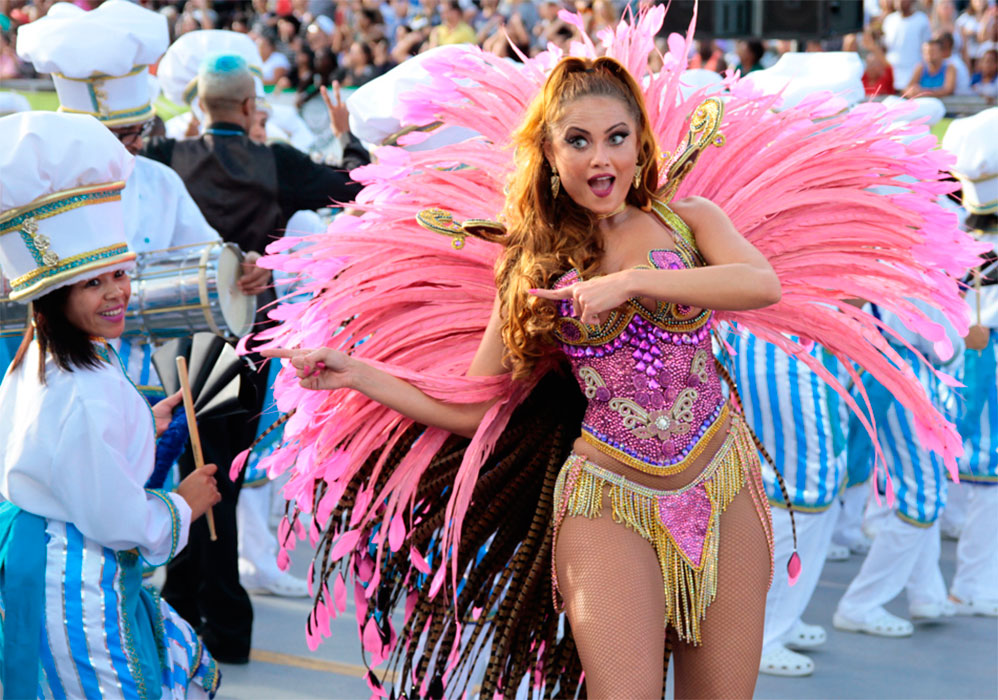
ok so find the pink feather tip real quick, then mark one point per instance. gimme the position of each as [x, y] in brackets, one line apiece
[793, 568]
[237, 464]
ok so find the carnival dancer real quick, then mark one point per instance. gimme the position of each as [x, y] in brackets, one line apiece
[588, 140]
[77, 440]
[974, 590]
[460, 337]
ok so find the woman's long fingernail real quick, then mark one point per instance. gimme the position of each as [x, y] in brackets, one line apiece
[320, 365]
[307, 369]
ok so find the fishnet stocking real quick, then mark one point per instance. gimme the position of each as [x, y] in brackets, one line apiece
[614, 599]
[612, 587]
[727, 663]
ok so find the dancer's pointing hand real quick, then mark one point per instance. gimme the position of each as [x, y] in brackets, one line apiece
[317, 368]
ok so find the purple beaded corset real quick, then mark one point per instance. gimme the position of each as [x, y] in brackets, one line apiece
[649, 376]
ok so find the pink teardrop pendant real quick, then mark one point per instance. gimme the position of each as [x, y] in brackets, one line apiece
[793, 568]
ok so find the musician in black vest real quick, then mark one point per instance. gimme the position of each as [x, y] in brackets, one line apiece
[247, 192]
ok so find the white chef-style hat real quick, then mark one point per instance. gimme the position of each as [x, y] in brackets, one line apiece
[178, 71]
[99, 60]
[61, 177]
[972, 140]
[800, 75]
[374, 105]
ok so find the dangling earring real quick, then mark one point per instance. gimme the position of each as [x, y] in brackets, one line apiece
[555, 183]
[637, 177]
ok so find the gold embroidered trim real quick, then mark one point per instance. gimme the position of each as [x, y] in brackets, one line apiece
[102, 76]
[689, 589]
[113, 258]
[653, 470]
[58, 202]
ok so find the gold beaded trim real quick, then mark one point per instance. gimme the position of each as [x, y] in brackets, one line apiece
[671, 469]
[688, 589]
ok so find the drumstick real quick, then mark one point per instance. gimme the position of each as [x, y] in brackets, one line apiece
[192, 429]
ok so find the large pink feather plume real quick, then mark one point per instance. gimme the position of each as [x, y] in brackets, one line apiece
[799, 184]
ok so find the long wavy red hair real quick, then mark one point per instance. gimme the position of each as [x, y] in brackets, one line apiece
[548, 235]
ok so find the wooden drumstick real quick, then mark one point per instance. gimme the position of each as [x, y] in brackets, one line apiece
[192, 430]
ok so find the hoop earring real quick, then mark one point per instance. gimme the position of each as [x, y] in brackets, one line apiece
[637, 176]
[555, 184]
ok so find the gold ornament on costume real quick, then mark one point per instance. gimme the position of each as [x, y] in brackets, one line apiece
[40, 242]
[555, 184]
[704, 131]
[637, 176]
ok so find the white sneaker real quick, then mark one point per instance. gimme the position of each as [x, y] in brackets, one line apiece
[283, 584]
[837, 552]
[986, 607]
[805, 636]
[931, 611]
[879, 623]
[783, 662]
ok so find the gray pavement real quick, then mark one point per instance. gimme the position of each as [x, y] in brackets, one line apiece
[954, 659]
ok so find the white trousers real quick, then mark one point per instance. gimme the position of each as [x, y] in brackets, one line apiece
[785, 603]
[977, 551]
[903, 557]
[956, 505]
[849, 528]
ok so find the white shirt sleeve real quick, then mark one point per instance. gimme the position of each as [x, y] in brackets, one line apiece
[97, 488]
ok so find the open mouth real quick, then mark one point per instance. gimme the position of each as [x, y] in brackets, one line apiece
[113, 315]
[601, 185]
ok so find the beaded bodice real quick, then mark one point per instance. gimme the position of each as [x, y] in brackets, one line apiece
[654, 397]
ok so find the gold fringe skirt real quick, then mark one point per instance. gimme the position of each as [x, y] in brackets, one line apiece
[682, 525]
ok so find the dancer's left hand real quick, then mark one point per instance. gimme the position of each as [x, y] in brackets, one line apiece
[162, 411]
[594, 297]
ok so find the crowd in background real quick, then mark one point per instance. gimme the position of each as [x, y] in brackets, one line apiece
[936, 47]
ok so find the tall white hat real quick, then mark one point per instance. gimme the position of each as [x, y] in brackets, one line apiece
[178, 71]
[61, 177]
[800, 75]
[972, 140]
[99, 60]
[374, 105]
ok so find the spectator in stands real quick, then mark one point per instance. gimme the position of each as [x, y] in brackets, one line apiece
[410, 41]
[952, 58]
[932, 77]
[10, 64]
[976, 25]
[985, 81]
[708, 56]
[749, 52]
[604, 15]
[488, 21]
[382, 56]
[275, 64]
[943, 19]
[319, 34]
[904, 32]
[453, 29]
[359, 66]
[395, 14]
[878, 76]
